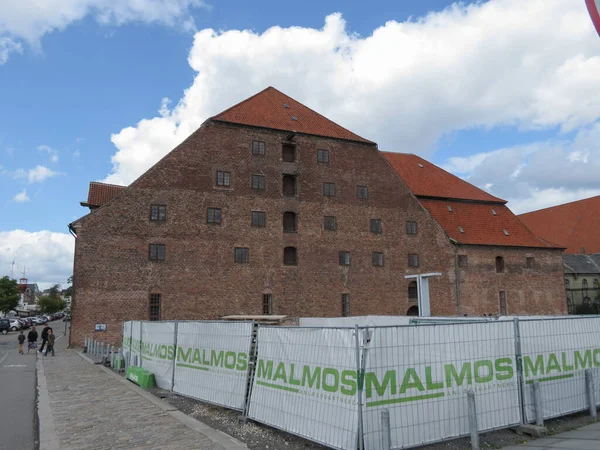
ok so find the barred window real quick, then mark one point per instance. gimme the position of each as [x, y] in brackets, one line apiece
[413, 292]
[329, 223]
[289, 185]
[267, 304]
[242, 255]
[213, 216]
[411, 227]
[258, 182]
[376, 226]
[289, 222]
[344, 258]
[290, 256]
[323, 156]
[158, 213]
[345, 305]
[223, 178]
[157, 252]
[288, 152]
[502, 296]
[413, 260]
[377, 259]
[154, 307]
[362, 192]
[258, 148]
[259, 218]
[329, 189]
[462, 260]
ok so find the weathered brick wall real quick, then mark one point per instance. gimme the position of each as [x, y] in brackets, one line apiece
[539, 290]
[199, 279]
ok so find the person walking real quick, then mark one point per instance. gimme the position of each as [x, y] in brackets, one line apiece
[32, 338]
[50, 347]
[44, 337]
[21, 339]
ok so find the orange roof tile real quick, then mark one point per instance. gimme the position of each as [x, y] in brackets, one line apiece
[573, 225]
[479, 224]
[428, 180]
[100, 193]
[267, 109]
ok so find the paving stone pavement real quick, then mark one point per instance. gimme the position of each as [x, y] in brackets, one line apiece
[92, 410]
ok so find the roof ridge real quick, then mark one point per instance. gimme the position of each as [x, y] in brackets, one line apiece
[560, 204]
[108, 184]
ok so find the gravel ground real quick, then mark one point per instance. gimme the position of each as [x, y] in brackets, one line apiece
[261, 437]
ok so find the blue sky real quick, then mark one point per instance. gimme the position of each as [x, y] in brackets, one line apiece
[503, 94]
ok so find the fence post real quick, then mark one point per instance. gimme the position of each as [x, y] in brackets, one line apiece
[250, 374]
[174, 355]
[130, 341]
[537, 400]
[359, 391]
[519, 362]
[589, 384]
[385, 430]
[141, 346]
[473, 420]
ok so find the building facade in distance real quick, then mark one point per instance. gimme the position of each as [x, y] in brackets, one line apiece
[582, 283]
[270, 208]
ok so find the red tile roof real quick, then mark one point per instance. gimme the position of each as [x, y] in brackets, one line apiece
[479, 224]
[428, 180]
[267, 110]
[100, 193]
[573, 225]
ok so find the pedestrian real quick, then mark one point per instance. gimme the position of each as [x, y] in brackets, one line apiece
[21, 339]
[44, 337]
[50, 347]
[32, 338]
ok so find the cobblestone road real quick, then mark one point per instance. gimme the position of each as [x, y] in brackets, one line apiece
[92, 410]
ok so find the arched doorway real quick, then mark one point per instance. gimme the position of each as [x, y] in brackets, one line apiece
[413, 311]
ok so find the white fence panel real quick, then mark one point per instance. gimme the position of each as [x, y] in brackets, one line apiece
[158, 351]
[305, 383]
[136, 336]
[421, 374]
[556, 353]
[212, 361]
[126, 342]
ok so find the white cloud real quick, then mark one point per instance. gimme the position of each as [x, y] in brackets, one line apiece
[30, 20]
[47, 256]
[530, 64]
[21, 197]
[39, 174]
[52, 153]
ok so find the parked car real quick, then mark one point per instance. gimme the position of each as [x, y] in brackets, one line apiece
[4, 326]
[15, 325]
[39, 320]
[24, 323]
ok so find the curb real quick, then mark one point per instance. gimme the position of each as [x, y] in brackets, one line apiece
[47, 431]
[217, 436]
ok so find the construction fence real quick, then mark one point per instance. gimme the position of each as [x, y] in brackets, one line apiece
[373, 387]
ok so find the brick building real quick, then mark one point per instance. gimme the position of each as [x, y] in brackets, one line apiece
[270, 208]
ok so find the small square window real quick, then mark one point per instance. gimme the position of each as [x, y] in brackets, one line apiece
[267, 304]
[158, 213]
[345, 305]
[377, 259]
[376, 226]
[329, 223]
[259, 218]
[362, 192]
[344, 258]
[411, 227]
[154, 307]
[323, 156]
[413, 260]
[462, 260]
[530, 262]
[258, 148]
[258, 182]
[242, 255]
[157, 252]
[213, 216]
[329, 189]
[223, 178]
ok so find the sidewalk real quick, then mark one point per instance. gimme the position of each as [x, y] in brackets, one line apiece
[81, 406]
[584, 438]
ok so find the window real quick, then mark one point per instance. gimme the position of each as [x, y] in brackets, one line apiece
[376, 226]
[329, 223]
[258, 182]
[499, 264]
[154, 307]
[258, 148]
[259, 218]
[242, 255]
[413, 260]
[158, 213]
[288, 152]
[584, 284]
[529, 262]
[289, 222]
[362, 192]
[290, 256]
[413, 292]
[329, 189]
[157, 252]
[586, 301]
[289, 185]
[596, 286]
[411, 227]
[344, 258]
[567, 283]
[502, 296]
[462, 260]
[213, 216]
[223, 178]
[267, 304]
[345, 305]
[323, 156]
[377, 259]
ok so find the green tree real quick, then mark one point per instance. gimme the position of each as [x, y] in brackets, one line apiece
[9, 294]
[48, 304]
